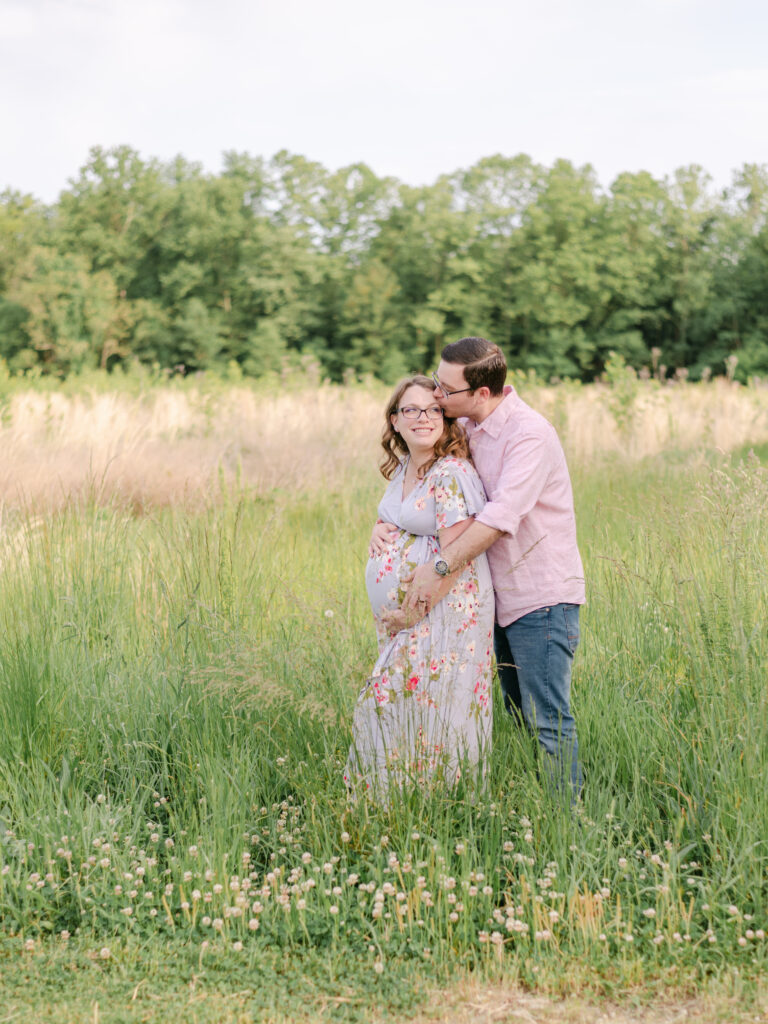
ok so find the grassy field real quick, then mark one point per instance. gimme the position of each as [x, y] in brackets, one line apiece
[179, 664]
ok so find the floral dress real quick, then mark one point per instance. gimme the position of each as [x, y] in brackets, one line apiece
[425, 714]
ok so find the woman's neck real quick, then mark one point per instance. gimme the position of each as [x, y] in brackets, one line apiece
[419, 459]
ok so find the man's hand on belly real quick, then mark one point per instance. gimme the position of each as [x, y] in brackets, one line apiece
[426, 589]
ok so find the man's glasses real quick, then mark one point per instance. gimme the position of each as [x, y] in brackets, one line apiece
[446, 391]
[413, 412]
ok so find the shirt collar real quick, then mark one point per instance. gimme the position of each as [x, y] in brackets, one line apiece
[493, 425]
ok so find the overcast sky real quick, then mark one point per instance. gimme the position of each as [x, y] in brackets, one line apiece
[414, 88]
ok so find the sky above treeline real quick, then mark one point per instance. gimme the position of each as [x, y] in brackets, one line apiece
[413, 88]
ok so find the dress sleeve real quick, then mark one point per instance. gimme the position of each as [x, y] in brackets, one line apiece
[458, 492]
[391, 504]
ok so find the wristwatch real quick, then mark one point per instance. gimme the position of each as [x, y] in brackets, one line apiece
[441, 566]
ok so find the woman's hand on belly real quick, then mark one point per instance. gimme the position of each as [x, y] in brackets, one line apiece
[383, 535]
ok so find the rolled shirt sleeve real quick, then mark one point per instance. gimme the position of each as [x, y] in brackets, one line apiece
[524, 472]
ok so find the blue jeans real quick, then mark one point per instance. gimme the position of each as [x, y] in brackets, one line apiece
[534, 657]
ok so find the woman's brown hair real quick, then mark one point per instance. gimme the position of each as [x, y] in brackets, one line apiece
[452, 442]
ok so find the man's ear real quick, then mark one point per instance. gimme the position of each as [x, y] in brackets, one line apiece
[483, 393]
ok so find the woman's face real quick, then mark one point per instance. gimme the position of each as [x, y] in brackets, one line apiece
[419, 419]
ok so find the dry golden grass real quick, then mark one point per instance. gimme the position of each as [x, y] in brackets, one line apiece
[177, 445]
[173, 446]
[649, 419]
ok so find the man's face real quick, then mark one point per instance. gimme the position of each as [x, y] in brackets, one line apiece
[453, 394]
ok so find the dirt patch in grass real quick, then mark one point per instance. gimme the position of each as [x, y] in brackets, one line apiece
[478, 1004]
[120, 999]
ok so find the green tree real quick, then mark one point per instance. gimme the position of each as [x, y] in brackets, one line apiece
[556, 265]
[691, 226]
[373, 337]
[498, 190]
[430, 245]
[737, 309]
[631, 317]
[75, 318]
[113, 212]
[23, 225]
[272, 259]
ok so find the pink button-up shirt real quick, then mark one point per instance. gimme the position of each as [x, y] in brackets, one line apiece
[522, 465]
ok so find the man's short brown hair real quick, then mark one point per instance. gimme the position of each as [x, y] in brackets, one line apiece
[484, 363]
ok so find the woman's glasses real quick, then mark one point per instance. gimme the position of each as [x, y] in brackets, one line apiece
[413, 412]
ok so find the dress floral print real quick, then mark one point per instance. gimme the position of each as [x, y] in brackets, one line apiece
[424, 715]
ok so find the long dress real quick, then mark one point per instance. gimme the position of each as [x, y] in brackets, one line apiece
[424, 716]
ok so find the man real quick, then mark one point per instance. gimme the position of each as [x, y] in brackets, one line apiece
[528, 529]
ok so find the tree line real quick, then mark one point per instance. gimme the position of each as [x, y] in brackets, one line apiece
[274, 260]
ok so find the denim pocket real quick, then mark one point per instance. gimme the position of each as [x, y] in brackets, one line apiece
[572, 634]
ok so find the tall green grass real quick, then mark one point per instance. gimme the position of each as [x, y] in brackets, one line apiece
[176, 694]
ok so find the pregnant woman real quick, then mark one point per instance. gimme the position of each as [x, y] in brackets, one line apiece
[424, 715]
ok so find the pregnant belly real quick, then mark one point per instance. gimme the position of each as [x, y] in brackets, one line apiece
[383, 575]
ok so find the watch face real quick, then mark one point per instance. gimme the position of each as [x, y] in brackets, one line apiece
[441, 567]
